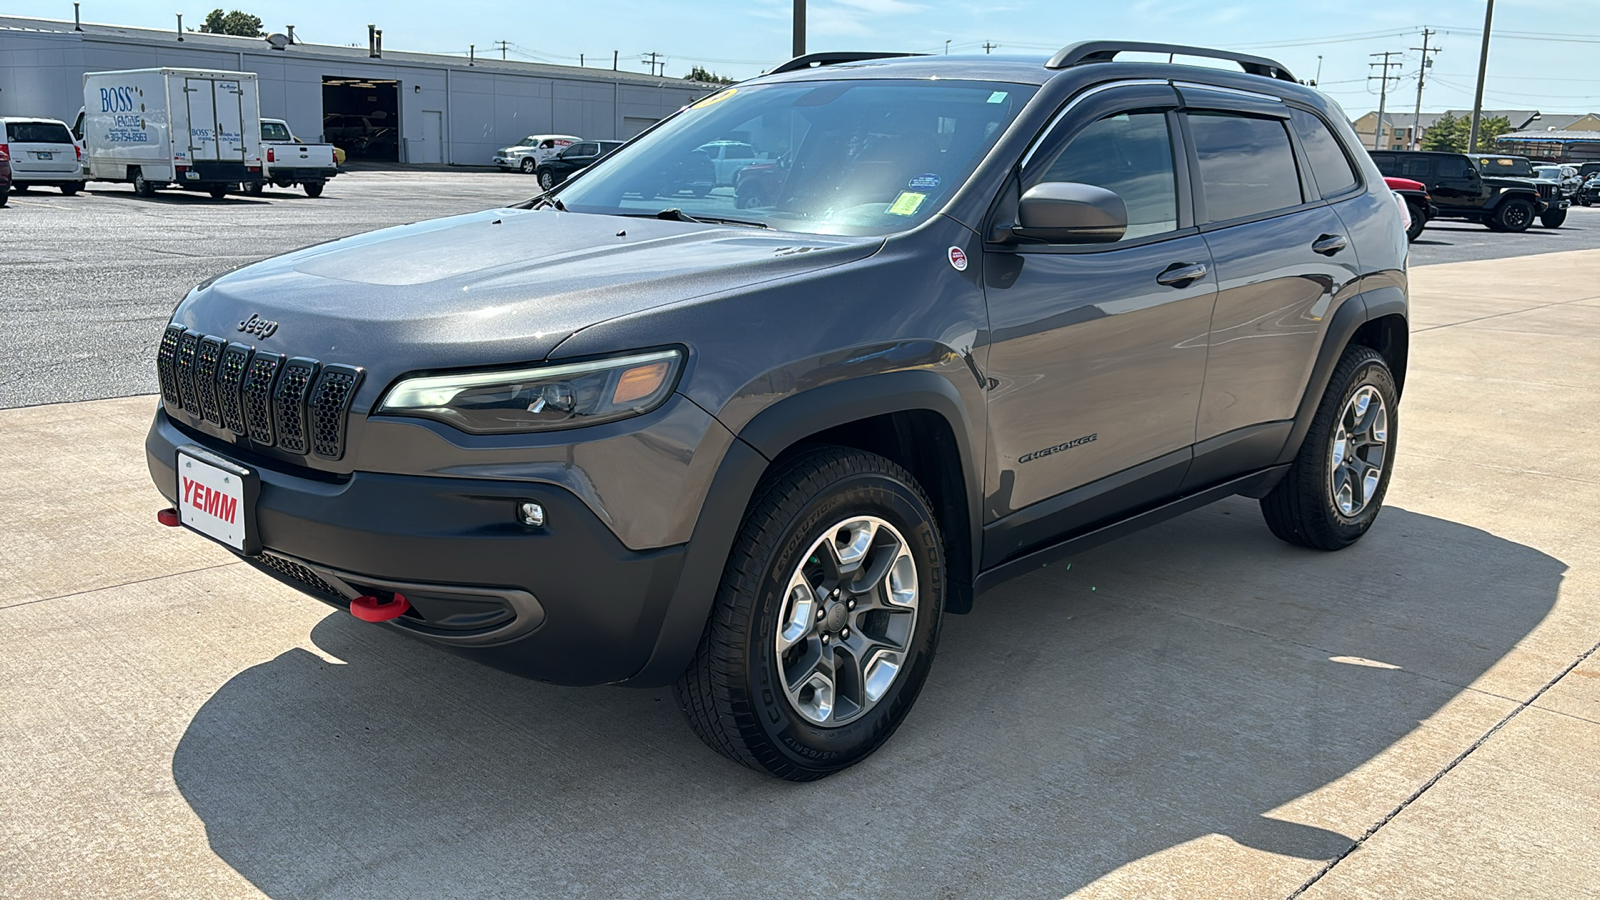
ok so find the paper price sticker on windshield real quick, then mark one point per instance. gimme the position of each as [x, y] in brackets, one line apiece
[716, 98]
[906, 204]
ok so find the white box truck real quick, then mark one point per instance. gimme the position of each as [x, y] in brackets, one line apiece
[191, 128]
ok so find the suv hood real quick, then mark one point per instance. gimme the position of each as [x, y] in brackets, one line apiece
[500, 286]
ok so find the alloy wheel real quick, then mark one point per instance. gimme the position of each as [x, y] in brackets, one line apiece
[848, 615]
[1360, 450]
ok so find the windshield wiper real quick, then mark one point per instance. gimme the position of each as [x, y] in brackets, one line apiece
[674, 214]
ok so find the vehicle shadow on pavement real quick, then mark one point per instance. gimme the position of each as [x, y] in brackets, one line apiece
[1183, 682]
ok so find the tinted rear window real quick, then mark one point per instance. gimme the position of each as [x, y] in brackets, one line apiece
[1246, 165]
[1329, 166]
[38, 133]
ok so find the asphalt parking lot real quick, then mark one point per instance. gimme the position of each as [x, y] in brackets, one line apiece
[1194, 711]
[87, 281]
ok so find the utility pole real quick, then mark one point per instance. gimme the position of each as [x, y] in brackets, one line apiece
[947, 47]
[1319, 70]
[1483, 68]
[472, 54]
[988, 46]
[799, 27]
[502, 48]
[1422, 77]
[1383, 91]
[652, 62]
[614, 55]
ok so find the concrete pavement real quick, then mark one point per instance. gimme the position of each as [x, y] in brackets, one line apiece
[1195, 711]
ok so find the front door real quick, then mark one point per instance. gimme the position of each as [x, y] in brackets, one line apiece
[1098, 352]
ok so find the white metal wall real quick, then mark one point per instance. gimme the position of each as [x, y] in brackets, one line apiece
[41, 74]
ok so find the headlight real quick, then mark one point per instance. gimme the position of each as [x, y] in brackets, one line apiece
[542, 398]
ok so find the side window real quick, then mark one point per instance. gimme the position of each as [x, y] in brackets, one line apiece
[1131, 155]
[1246, 165]
[1387, 165]
[1329, 166]
[1455, 167]
[1417, 168]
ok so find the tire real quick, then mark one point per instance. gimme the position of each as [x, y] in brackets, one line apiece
[254, 188]
[1306, 508]
[69, 188]
[313, 188]
[1514, 216]
[529, 164]
[547, 179]
[217, 191]
[1555, 218]
[19, 187]
[141, 187]
[1419, 221]
[737, 694]
[5, 195]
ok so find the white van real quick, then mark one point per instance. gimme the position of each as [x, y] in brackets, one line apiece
[42, 152]
[197, 129]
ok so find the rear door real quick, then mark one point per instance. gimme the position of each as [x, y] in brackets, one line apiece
[40, 149]
[1282, 256]
[229, 106]
[201, 101]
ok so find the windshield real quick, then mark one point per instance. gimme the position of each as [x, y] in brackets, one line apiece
[274, 131]
[1514, 166]
[1552, 173]
[832, 157]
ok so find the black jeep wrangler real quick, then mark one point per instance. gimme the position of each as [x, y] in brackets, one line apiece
[989, 313]
[1502, 201]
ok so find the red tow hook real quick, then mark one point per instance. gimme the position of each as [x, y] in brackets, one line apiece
[372, 609]
[169, 518]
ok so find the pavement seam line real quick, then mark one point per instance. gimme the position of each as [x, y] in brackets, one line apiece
[108, 587]
[1460, 758]
[1514, 312]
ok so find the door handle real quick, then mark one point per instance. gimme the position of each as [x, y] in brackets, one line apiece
[1181, 275]
[1329, 244]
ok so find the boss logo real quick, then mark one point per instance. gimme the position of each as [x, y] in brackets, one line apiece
[258, 326]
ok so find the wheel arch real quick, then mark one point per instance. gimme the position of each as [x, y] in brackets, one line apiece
[915, 418]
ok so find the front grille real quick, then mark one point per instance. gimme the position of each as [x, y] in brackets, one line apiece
[298, 405]
[1547, 191]
[289, 403]
[296, 572]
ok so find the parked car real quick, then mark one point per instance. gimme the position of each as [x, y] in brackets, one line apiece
[758, 184]
[1506, 166]
[42, 152]
[609, 438]
[1419, 205]
[5, 174]
[1564, 175]
[1590, 194]
[1460, 191]
[288, 161]
[575, 158]
[728, 157]
[528, 153]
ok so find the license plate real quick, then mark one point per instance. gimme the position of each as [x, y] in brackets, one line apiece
[44, 155]
[214, 498]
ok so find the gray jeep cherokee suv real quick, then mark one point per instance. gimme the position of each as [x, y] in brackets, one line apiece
[990, 312]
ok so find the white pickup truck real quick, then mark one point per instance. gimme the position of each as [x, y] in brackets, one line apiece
[286, 160]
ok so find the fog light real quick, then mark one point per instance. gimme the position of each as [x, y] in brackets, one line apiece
[531, 514]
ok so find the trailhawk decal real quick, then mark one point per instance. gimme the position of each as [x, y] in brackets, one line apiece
[1075, 442]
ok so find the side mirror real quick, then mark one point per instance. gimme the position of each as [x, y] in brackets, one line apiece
[1066, 212]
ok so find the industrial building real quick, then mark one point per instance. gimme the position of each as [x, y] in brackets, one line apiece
[394, 106]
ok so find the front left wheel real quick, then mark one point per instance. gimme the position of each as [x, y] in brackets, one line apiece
[1554, 218]
[826, 620]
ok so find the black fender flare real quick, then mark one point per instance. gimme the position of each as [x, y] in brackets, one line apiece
[1347, 319]
[763, 439]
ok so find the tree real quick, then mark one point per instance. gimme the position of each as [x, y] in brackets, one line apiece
[1488, 130]
[236, 22]
[700, 73]
[1450, 133]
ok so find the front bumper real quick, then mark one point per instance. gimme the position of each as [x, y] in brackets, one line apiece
[567, 602]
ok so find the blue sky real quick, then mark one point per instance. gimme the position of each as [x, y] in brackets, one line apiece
[1545, 55]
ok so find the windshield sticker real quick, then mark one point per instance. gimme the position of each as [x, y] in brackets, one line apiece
[998, 97]
[906, 204]
[716, 98]
[924, 182]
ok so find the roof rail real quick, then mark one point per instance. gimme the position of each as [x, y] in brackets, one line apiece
[1106, 51]
[814, 60]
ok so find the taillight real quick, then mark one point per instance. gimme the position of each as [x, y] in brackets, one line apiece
[1405, 211]
[5, 152]
[78, 150]
[272, 155]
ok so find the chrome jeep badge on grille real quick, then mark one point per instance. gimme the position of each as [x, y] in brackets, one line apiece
[258, 326]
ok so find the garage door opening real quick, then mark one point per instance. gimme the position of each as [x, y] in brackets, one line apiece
[362, 117]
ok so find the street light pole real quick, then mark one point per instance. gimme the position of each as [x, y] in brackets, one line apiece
[1483, 69]
[799, 27]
